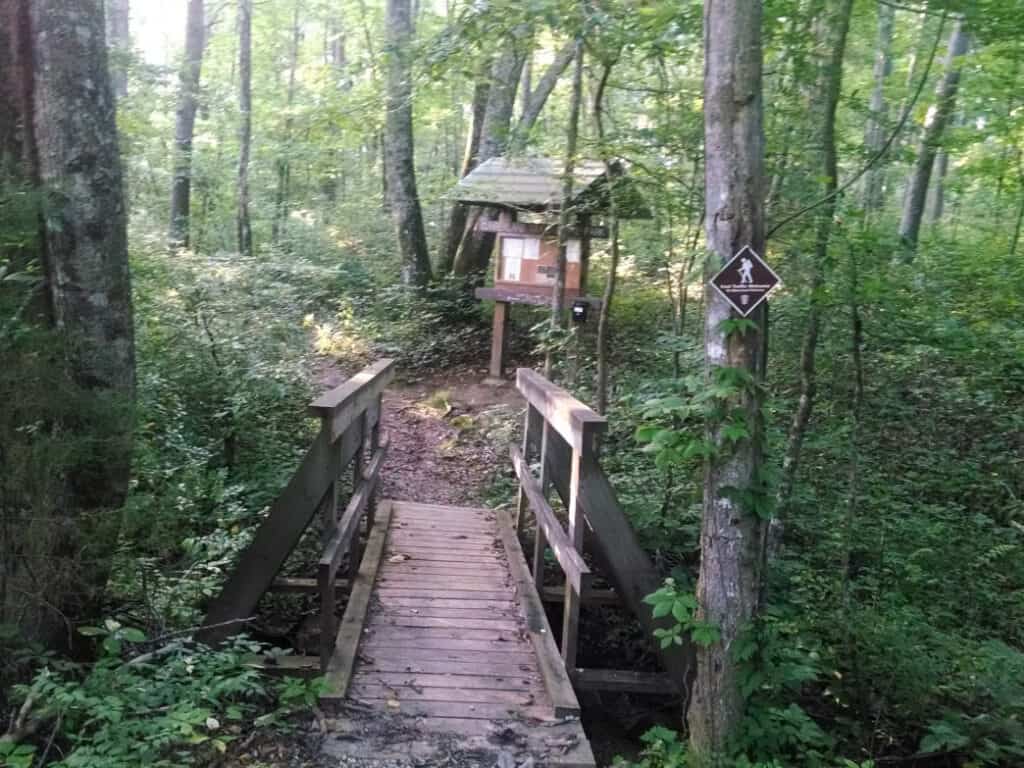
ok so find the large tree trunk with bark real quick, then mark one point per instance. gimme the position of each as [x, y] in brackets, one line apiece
[185, 123]
[935, 125]
[61, 99]
[401, 169]
[85, 236]
[243, 225]
[834, 24]
[728, 585]
[875, 134]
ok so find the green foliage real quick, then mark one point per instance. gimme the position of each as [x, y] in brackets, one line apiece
[176, 705]
[681, 606]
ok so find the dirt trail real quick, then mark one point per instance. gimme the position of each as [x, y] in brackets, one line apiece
[449, 434]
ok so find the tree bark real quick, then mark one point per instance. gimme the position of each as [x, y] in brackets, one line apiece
[937, 201]
[728, 585]
[85, 235]
[243, 225]
[565, 209]
[605, 314]
[283, 163]
[474, 250]
[184, 124]
[534, 105]
[835, 22]
[460, 211]
[875, 134]
[931, 137]
[401, 169]
[118, 44]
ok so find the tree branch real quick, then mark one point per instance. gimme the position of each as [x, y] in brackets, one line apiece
[885, 147]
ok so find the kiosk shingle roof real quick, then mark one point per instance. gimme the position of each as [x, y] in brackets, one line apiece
[530, 183]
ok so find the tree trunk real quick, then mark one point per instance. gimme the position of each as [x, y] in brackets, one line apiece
[67, 128]
[934, 126]
[937, 203]
[534, 105]
[605, 314]
[184, 124]
[835, 25]
[875, 135]
[460, 211]
[564, 211]
[401, 170]
[474, 249]
[728, 585]
[245, 124]
[118, 44]
[283, 162]
[85, 235]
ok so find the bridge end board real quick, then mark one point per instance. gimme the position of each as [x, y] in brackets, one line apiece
[552, 669]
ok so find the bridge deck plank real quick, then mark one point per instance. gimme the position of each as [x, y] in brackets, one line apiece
[445, 645]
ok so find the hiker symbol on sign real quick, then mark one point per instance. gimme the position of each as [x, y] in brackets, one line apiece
[745, 281]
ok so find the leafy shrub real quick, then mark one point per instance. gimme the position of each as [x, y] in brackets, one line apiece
[166, 708]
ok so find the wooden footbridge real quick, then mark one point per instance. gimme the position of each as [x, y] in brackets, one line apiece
[443, 645]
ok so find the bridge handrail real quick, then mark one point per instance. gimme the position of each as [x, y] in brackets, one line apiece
[350, 417]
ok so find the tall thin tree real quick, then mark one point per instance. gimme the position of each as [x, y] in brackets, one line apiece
[398, 157]
[833, 24]
[243, 225]
[728, 585]
[939, 116]
[185, 124]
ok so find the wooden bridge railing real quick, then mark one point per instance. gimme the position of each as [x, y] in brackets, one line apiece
[561, 431]
[349, 426]
[551, 408]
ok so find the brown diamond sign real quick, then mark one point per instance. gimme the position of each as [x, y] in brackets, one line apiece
[745, 281]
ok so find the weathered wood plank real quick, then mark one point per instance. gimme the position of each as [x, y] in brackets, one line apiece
[416, 653]
[490, 623]
[450, 594]
[346, 647]
[404, 693]
[419, 507]
[568, 558]
[444, 603]
[441, 583]
[623, 681]
[574, 421]
[447, 644]
[619, 555]
[481, 667]
[395, 612]
[518, 682]
[456, 569]
[340, 407]
[588, 597]
[295, 585]
[556, 680]
[288, 665]
[461, 709]
[277, 536]
[381, 632]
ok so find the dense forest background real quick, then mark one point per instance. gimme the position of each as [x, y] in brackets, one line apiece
[287, 169]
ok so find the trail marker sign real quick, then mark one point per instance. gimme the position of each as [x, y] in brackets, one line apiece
[745, 281]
